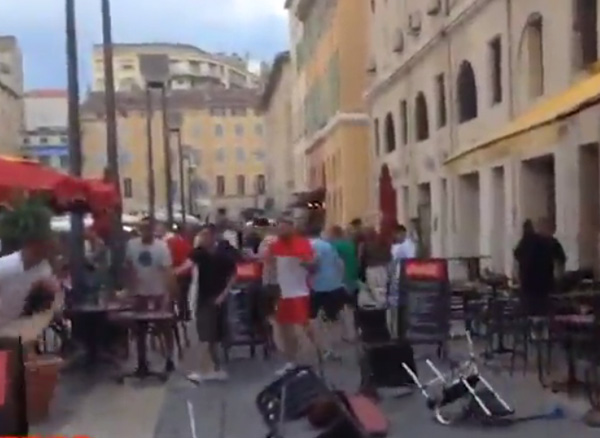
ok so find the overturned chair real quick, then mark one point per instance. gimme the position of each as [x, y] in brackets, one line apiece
[462, 394]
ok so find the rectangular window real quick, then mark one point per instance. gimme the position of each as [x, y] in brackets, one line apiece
[261, 186]
[220, 185]
[241, 185]
[127, 188]
[495, 50]
[404, 121]
[64, 162]
[586, 27]
[442, 114]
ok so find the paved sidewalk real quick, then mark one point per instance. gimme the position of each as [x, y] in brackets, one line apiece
[227, 410]
[100, 408]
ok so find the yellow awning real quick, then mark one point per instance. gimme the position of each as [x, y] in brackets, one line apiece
[578, 97]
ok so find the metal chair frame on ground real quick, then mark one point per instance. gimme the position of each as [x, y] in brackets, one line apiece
[462, 385]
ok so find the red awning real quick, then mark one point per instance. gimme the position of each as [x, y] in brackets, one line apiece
[101, 195]
[20, 175]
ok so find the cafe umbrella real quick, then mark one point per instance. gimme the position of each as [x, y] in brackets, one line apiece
[20, 176]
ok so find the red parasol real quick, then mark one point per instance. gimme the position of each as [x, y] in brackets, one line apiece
[101, 195]
[21, 175]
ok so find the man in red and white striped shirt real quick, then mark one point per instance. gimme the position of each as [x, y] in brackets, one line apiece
[293, 257]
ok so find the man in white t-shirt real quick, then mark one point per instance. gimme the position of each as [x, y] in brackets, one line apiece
[20, 273]
[150, 277]
[404, 248]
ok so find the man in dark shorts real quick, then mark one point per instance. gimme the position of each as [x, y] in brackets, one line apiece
[215, 277]
[328, 294]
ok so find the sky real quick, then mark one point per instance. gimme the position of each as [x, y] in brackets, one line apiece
[256, 27]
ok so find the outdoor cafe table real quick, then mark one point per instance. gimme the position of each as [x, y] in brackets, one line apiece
[94, 318]
[141, 321]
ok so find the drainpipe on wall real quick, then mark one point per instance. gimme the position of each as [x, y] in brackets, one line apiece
[452, 120]
[511, 114]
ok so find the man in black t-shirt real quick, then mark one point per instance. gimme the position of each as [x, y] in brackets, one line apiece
[541, 258]
[215, 276]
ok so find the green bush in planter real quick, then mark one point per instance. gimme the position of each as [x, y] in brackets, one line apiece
[26, 221]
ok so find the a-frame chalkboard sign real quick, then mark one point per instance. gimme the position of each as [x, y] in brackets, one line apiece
[426, 287]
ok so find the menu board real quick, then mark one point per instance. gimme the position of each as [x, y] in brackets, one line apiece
[239, 318]
[426, 287]
[13, 408]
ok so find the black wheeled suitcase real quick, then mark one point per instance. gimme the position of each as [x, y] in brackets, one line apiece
[382, 365]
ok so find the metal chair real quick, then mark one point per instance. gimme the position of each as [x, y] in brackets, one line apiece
[463, 385]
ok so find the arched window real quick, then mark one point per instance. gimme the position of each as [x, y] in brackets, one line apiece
[390, 133]
[531, 54]
[467, 93]
[421, 118]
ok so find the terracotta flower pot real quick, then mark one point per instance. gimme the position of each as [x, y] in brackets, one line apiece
[41, 377]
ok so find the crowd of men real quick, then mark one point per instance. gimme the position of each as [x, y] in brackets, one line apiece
[310, 281]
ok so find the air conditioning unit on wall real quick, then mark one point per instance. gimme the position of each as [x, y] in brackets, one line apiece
[414, 23]
[434, 7]
[371, 65]
[399, 41]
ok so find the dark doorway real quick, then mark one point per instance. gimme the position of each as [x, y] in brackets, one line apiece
[589, 205]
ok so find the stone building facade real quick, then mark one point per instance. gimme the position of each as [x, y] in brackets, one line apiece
[483, 114]
[276, 104]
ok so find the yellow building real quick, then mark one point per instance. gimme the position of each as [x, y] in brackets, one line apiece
[190, 67]
[223, 142]
[331, 52]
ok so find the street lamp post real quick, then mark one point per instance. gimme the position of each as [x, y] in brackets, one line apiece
[175, 122]
[116, 240]
[191, 193]
[150, 157]
[155, 71]
[167, 153]
[77, 252]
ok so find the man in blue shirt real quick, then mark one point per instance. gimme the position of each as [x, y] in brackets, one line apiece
[328, 294]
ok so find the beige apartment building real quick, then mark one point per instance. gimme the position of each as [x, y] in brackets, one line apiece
[190, 67]
[276, 104]
[484, 113]
[45, 136]
[11, 95]
[223, 143]
[330, 44]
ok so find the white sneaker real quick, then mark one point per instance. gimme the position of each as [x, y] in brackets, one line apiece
[195, 377]
[215, 376]
[332, 356]
[283, 370]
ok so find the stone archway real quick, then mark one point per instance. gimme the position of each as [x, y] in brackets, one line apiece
[387, 198]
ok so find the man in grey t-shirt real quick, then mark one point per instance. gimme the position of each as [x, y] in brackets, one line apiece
[150, 277]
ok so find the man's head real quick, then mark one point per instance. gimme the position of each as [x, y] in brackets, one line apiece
[207, 236]
[146, 228]
[160, 230]
[285, 228]
[400, 233]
